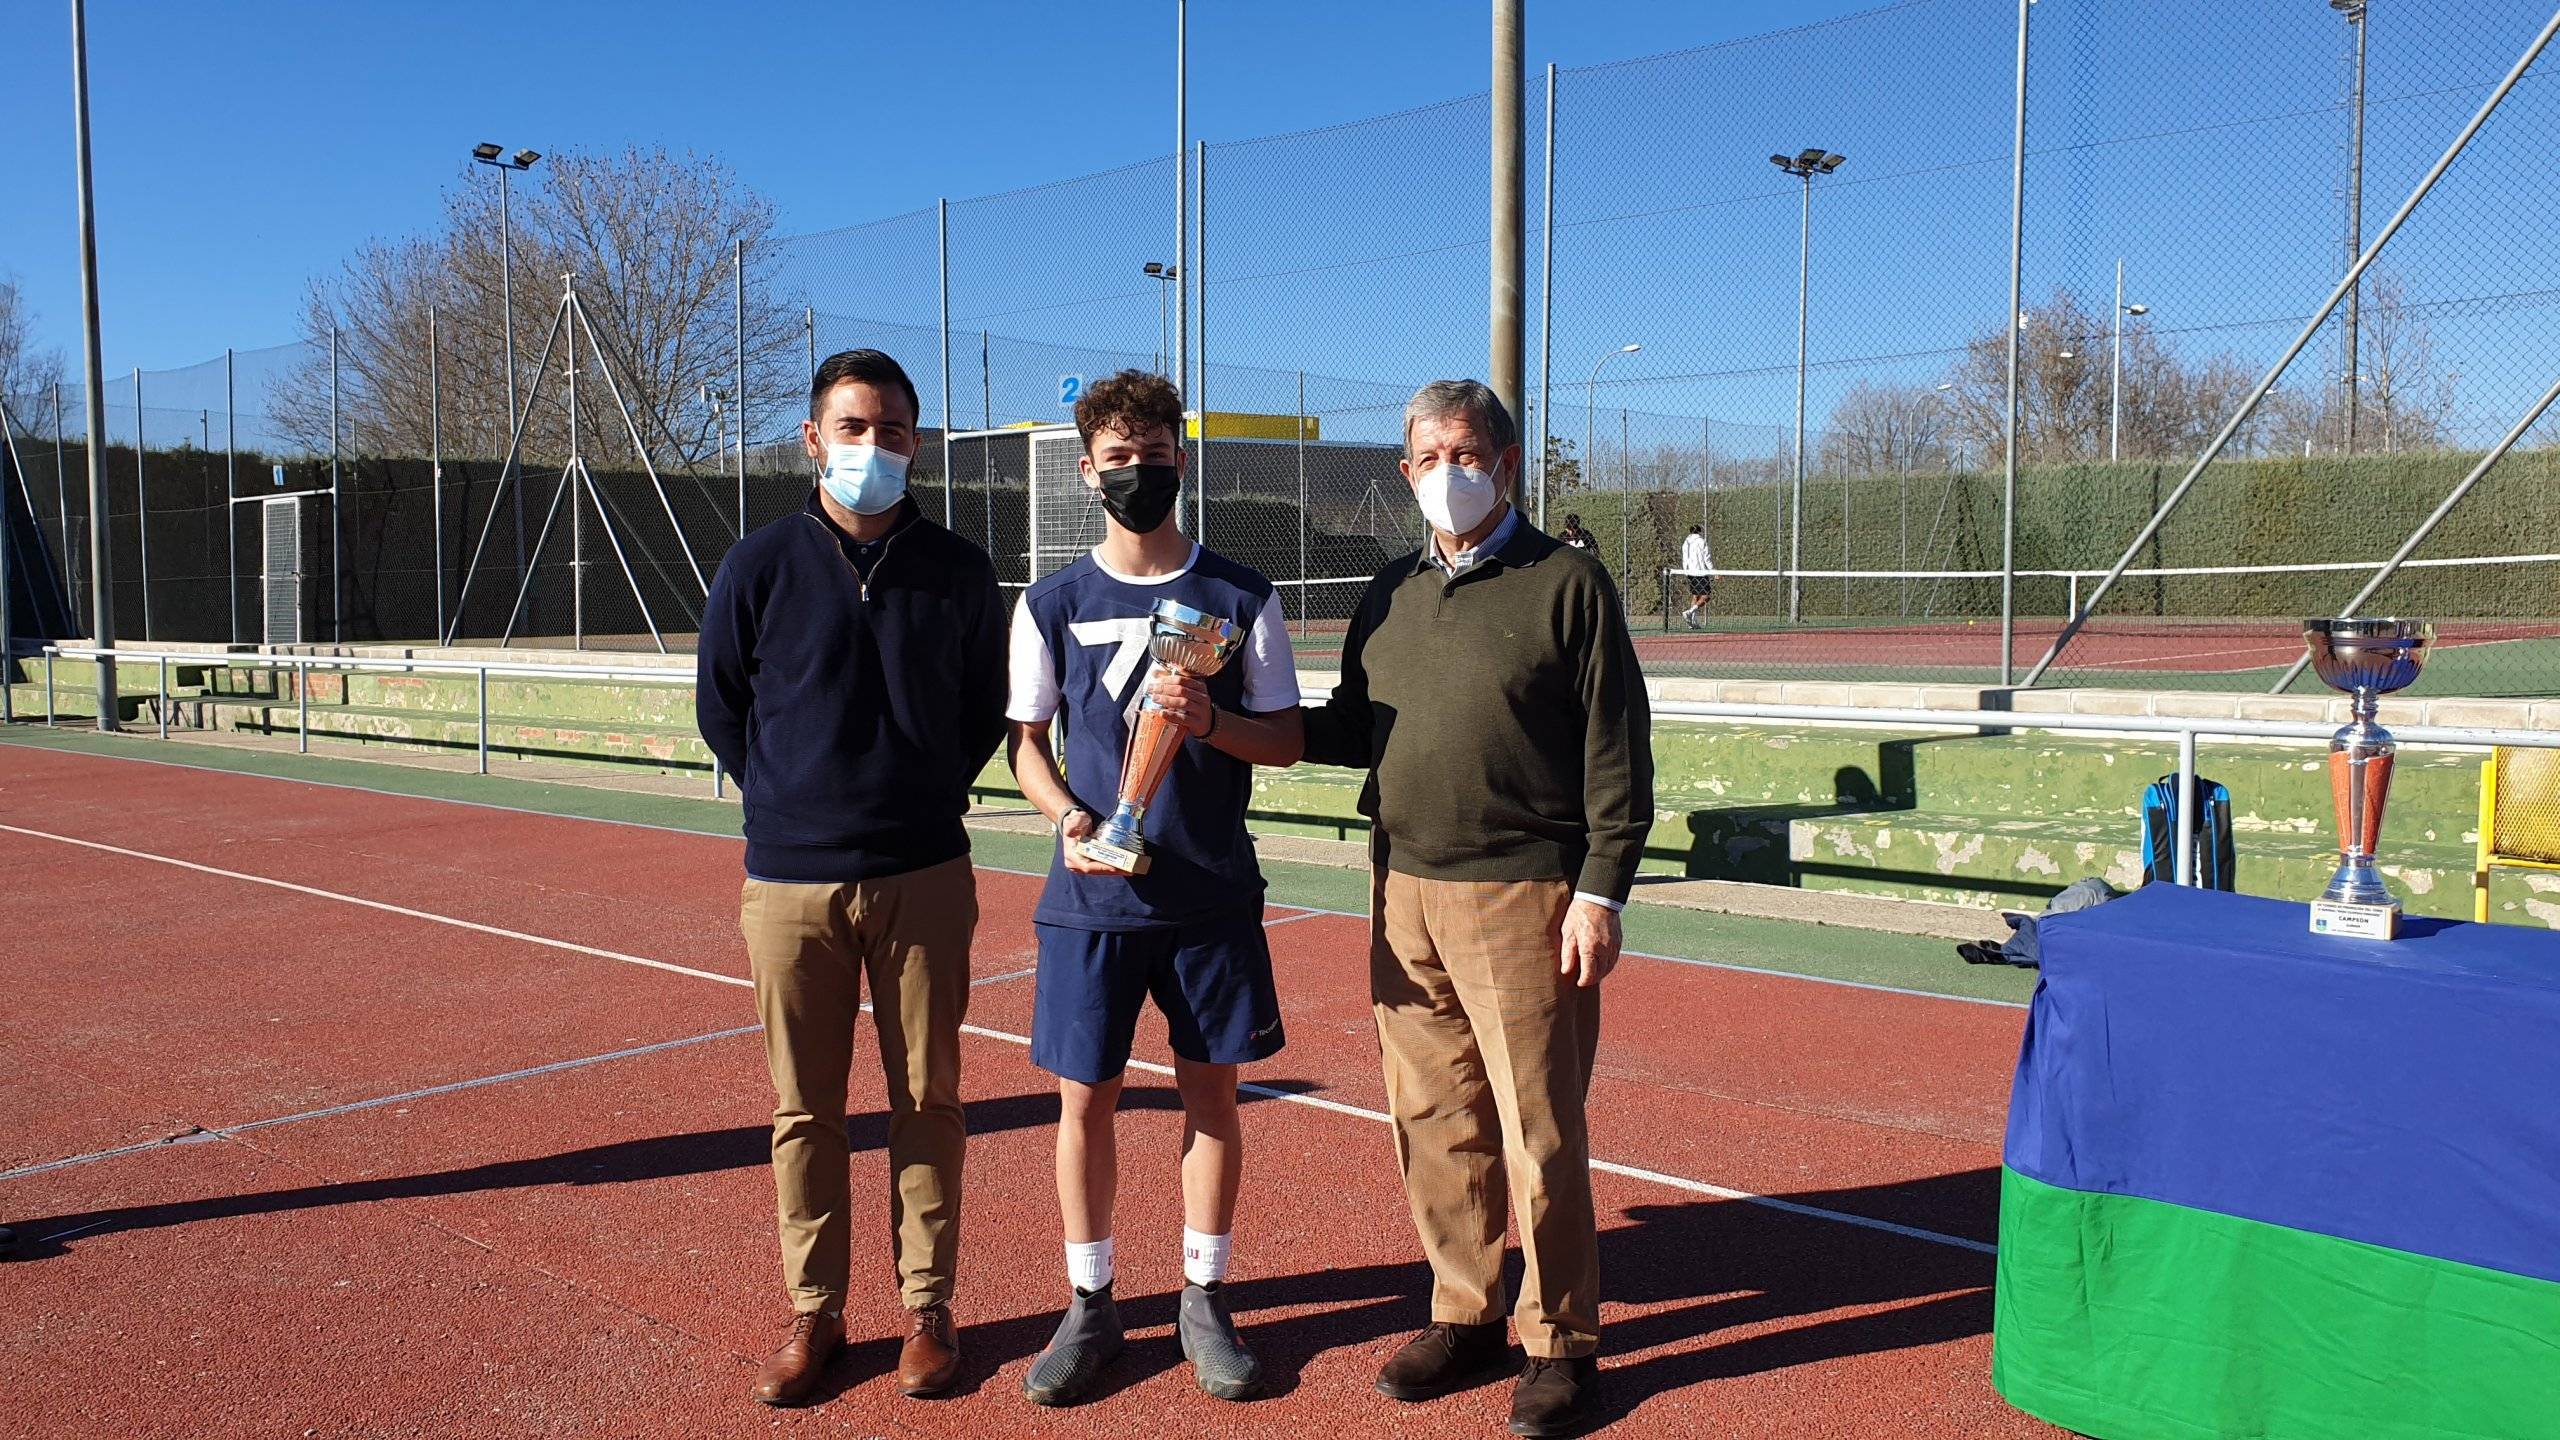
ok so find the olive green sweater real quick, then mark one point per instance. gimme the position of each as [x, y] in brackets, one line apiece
[1501, 717]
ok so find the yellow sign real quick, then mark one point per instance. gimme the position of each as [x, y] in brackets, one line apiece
[1237, 425]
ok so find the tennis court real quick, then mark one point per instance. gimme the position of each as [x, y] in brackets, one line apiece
[403, 1115]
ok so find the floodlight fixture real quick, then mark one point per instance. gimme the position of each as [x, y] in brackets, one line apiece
[525, 158]
[1155, 267]
[1778, 160]
[1809, 157]
[1807, 163]
[484, 151]
[1630, 348]
[1833, 162]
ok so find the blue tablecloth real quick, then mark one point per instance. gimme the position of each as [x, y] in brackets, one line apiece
[2206, 1050]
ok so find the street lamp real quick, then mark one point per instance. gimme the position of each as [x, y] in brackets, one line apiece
[1164, 275]
[2115, 384]
[1589, 391]
[490, 155]
[1804, 165]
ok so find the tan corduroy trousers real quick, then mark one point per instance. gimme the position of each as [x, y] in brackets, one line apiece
[1488, 1054]
[812, 946]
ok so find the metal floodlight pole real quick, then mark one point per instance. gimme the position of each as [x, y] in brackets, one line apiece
[1547, 302]
[1509, 278]
[435, 460]
[1181, 197]
[1804, 165]
[231, 495]
[490, 155]
[569, 481]
[942, 271]
[102, 600]
[141, 506]
[2017, 321]
[2532, 51]
[738, 273]
[2427, 527]
[2354, 11]
[8, 523]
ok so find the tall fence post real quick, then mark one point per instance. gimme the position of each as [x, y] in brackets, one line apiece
[1503, 367]
[141, 506]
[1304, 614]
[1200, 355]
[435, 459]
[231, 496]
[2346, 283]
[2016, 323]
[62, 507]
[337, 504]
[8, 523]
[738, 272]
[942, 274]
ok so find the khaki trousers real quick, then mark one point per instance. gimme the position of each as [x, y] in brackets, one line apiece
[1488, 1057]
[811, 947]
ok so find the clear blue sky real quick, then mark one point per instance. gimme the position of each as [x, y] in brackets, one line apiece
[243, 149]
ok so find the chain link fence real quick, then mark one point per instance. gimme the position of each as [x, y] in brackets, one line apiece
[1807, 361]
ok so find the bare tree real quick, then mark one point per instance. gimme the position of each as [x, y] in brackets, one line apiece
[23, 368]
[646, 237]
[2403, 401]
[1880, 429]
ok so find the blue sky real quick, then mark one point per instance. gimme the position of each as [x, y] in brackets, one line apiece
[244, 148]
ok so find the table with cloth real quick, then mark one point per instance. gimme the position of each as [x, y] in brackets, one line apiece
[2265, 1183]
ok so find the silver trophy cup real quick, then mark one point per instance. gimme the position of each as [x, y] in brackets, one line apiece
[2368, 659]
[1188, 640]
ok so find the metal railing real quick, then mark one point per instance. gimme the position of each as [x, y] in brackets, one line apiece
[2188, 731]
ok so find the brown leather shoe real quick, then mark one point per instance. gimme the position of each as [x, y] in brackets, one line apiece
[931, 1356]
[1444, 1358]
[1554, 1397]
[790, 1373]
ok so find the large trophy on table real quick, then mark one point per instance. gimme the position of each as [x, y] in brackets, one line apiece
[1195, 643]
[2368, 659]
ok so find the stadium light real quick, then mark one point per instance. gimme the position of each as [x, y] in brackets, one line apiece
[525, 158]
[2115, 375]
[484, 151]
[487, 154]
[1807, 163]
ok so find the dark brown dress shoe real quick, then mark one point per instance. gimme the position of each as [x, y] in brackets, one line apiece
[1444, 1358]
[1554, 1397]
[790, 1373]
[931, 1357]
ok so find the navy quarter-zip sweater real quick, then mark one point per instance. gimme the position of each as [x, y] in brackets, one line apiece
[854, 709]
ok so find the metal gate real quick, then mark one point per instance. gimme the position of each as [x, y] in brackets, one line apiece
[283, 570]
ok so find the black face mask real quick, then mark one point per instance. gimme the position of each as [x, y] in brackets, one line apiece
[1140, 496]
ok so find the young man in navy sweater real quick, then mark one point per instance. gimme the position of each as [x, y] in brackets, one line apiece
[1188, 931]
[852, 674]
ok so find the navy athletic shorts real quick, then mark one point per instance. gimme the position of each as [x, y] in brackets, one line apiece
[1212, 980]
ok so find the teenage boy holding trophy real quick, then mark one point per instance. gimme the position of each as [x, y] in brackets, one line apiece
[1153, 890]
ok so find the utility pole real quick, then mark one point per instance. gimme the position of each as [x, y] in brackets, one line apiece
[1510, 276]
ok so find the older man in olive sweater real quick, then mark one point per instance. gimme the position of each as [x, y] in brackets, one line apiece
[1491, 691]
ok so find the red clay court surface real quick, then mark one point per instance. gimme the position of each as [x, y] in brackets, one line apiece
[588, 1249]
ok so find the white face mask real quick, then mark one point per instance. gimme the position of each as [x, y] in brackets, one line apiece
[1456, 498]
[864, 479]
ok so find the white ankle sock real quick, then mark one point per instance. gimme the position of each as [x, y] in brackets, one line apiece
[1089, 1263]
[1204, 1257]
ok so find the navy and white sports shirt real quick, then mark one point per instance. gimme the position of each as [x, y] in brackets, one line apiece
[1080, 644]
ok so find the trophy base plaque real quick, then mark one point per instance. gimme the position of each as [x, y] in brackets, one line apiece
[1120, 858]
[2361, 922]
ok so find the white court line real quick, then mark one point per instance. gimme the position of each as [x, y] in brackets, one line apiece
[1293, 919]
[574, 817]
[1695, 1187]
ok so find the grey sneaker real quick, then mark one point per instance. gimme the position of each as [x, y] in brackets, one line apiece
[1219, 1359]
[1088, 1339]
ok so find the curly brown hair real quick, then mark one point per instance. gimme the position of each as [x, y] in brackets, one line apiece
[1132, 402]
